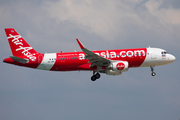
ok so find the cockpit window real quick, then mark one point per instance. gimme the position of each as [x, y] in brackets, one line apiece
[164, 52]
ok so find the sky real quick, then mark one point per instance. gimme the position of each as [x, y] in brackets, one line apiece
[53, 26]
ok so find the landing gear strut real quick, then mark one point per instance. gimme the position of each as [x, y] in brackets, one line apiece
[152, 69]
[95, 76]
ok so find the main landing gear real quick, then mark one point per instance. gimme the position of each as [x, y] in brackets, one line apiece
[95, 76]
[152, 69]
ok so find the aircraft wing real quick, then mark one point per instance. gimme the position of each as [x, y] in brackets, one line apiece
[93, 58]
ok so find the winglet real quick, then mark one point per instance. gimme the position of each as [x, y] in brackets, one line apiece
[80, 44]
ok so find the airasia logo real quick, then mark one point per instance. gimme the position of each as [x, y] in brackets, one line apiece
[25, 50]
[120, 66]
[117, 54]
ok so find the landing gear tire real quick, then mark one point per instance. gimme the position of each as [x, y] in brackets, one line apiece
[93, 78]
[153, 73]
[97, 75]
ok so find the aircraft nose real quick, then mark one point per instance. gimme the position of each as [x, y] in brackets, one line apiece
[172, 58]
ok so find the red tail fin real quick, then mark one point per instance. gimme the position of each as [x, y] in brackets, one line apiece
[19, 46]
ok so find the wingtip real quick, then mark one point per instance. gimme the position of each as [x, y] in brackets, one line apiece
[80, 44]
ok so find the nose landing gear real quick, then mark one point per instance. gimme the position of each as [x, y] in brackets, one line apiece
[152, 69]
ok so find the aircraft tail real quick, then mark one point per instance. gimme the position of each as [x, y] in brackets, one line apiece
[18, 45]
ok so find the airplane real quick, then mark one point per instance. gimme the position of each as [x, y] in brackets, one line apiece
[110, 62]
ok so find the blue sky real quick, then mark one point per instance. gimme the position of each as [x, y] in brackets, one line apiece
[53, 26]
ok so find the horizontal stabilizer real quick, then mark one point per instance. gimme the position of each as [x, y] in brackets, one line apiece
[18, 59]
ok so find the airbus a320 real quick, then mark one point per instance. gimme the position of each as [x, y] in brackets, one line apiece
[110, 62]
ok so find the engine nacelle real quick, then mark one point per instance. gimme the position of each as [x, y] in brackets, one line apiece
[119, 66]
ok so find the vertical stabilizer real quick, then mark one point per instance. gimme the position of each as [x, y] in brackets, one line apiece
[18, 45]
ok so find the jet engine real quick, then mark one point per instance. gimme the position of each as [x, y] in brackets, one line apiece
[117, 67]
